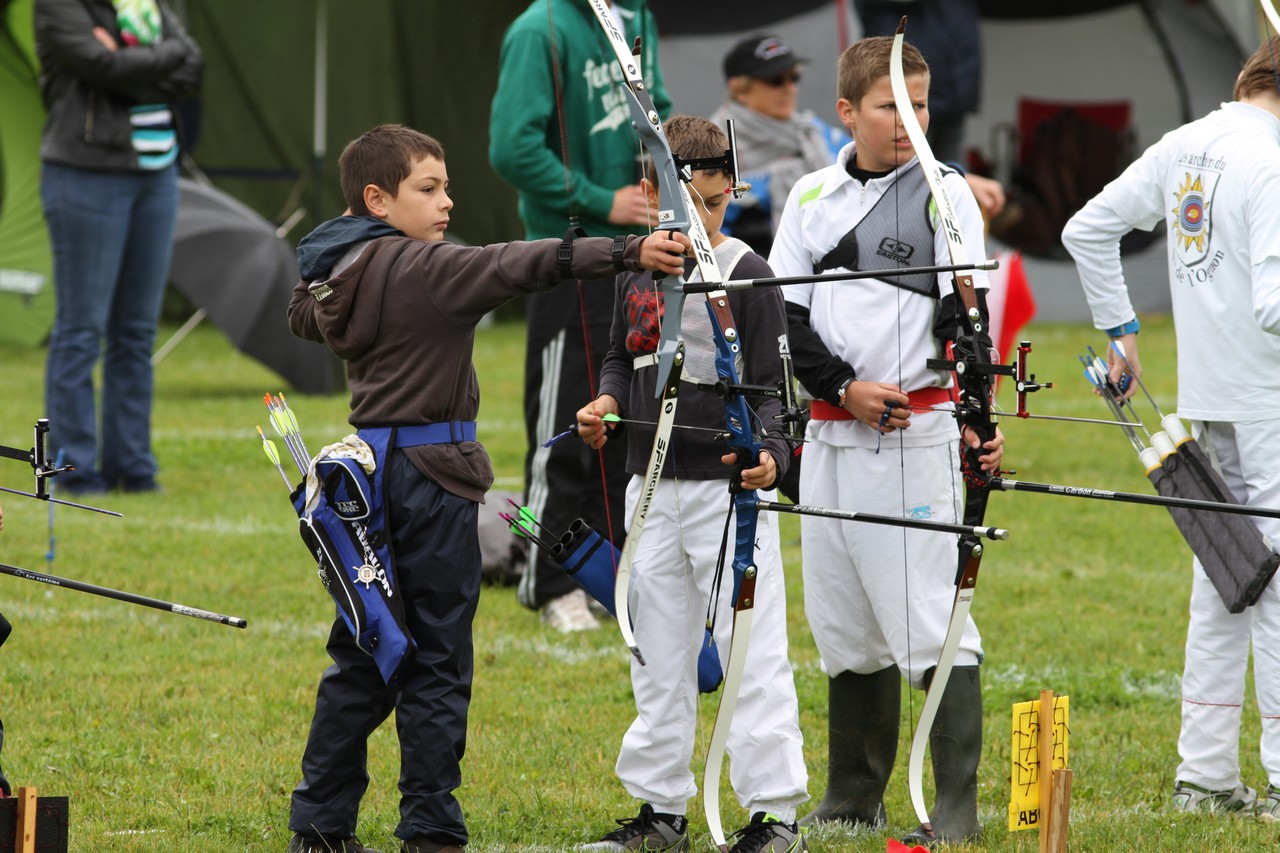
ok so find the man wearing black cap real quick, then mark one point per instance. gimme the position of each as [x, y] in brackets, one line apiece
[776, 144]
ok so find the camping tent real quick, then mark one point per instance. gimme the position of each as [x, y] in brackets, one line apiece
[274, 145]
[26, 292]
[225, 292]
[288, 83]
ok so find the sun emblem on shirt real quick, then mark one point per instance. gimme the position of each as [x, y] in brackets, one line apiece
[1190, 210]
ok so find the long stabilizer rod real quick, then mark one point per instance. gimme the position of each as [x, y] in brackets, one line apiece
[890, 520]
[1007, 485]
[107, 592]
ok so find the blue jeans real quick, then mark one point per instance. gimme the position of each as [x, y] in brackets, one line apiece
[112, 235]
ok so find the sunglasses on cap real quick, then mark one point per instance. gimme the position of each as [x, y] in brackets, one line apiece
[781, 79]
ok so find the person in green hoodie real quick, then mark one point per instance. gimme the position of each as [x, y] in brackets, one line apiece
[560, 133]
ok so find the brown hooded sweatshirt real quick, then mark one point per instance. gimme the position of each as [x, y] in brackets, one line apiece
[403, 315]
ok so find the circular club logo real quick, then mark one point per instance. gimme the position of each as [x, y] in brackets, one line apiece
[1191, 214]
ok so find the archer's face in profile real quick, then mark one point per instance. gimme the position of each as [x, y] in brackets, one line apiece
[420, 208]
[710, 193]
[881, 142]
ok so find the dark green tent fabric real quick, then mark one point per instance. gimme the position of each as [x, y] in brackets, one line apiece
[431, 65]
[26, 266]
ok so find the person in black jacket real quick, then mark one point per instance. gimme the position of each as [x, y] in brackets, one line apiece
[109, 184]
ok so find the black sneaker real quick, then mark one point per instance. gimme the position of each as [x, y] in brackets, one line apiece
[767, 834]
[318, 844]
[649, 832]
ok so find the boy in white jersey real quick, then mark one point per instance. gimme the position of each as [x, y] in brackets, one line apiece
[675, 559]
[1215, 183]
[878, 598]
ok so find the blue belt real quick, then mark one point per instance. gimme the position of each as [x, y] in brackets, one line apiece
[449, 432]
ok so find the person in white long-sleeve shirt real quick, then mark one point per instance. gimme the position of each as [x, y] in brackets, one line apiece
[1216, 184]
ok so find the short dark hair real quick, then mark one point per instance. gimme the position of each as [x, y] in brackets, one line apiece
[1259, 73]
[691, 138]
[384, 157]
[866, 61]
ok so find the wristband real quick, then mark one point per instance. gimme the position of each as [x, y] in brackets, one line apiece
[617, 250]
[564, 254]
[1129, 328]
[843, 389]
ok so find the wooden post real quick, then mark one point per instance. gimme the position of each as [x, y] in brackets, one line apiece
[1060, 809]
[24, 840]
[1045, 751]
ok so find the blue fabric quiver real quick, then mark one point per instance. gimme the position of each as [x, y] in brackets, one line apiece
[346, 531]
[591, 560]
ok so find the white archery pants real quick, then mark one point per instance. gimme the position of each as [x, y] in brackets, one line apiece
[878, 596]
[670, 586]
[1213, 681]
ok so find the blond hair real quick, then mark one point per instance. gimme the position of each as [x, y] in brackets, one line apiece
[866, 61]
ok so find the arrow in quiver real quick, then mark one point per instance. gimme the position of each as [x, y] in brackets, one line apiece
[591, 560]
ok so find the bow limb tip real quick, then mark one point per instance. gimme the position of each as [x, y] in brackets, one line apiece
[635, 650]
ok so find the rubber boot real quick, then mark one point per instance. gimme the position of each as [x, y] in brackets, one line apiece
[862, 730]
[955, 746]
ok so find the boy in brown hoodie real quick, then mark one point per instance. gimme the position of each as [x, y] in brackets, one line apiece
[385, 292]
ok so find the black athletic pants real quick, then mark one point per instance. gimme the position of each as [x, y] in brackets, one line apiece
[437, 555]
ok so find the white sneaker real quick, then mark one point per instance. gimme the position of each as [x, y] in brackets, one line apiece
[569, 613]
[1188, 797]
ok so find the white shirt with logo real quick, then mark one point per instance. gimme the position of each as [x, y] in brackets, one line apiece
[1216, 184]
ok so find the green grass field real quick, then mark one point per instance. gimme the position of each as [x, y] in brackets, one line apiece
[170, 734]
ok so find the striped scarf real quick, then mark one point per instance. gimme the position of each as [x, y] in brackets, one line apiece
[154, 138]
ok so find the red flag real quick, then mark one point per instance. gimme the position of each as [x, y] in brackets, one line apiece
[1009, 302]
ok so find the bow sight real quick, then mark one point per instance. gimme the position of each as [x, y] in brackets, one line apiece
[44, 468]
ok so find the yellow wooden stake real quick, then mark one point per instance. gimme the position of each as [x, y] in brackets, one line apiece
[1046, 768]
[25, 837]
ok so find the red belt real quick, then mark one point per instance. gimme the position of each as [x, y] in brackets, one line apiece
[924, 398]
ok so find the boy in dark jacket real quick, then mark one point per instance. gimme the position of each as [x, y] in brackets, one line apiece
[675, 559]
[400, 306]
